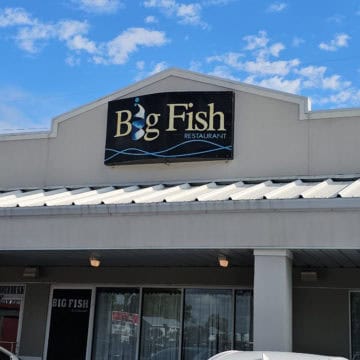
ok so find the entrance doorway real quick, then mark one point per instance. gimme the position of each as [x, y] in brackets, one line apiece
[69, 324]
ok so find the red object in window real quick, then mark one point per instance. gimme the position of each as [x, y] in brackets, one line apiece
[9, 332]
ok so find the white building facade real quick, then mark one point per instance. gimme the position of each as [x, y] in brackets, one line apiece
[254, 178]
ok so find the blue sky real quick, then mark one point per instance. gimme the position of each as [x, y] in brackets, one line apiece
[58, 55]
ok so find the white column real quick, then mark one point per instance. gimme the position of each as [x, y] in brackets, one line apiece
[273, 300]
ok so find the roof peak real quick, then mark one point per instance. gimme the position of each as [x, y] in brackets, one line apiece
[305, 112]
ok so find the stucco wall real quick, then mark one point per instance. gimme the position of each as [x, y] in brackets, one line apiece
[177, 226]
[270, 141]
[321, 322]
[34, 320]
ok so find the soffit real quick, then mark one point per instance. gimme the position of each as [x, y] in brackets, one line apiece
[302, 258]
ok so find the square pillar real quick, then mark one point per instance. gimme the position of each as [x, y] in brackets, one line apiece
[273, 300]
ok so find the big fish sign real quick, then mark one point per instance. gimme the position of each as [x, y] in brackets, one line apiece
[169, 127]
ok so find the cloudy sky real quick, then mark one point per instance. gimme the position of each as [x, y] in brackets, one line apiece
[60, 54]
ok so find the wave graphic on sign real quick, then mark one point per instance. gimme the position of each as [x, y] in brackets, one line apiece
[164, 153]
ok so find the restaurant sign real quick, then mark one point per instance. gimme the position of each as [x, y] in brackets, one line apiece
[169, 127]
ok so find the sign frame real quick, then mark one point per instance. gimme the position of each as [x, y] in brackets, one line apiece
[170, 127]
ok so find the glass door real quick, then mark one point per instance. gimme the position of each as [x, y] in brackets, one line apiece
[69, 324]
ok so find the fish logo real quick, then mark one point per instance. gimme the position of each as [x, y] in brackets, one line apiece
[138, 121]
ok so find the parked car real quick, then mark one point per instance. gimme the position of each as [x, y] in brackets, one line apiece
[7, 355]
[194, 353]
[269, 355]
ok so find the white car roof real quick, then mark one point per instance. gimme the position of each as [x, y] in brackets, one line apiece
[269, 355]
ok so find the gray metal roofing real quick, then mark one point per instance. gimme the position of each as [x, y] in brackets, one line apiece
[307, 188]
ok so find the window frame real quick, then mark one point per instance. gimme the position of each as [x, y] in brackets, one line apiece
[182, 289]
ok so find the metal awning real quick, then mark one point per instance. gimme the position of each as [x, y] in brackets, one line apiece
[263, 189]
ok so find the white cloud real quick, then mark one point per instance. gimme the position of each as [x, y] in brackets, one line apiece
[315, 77]
[98, 6]
[256, 41]
[79, 42]
[17, 115]
[276, 48]
[296, 42]
[28, 37]
[334, 82]
[189, 14]
[161, 66]
[259, 64]
[344, 98]
[277, 7]
[223, 72]
[312, 75]
[262, 50]
[119, 49]
[140, 65]
[167, 4]
[12, 119]
[72, 32]
[151, 20]
[281, 84]
[33, 35]
[265, 67]
[72, 60]
[14, 17]
[230, 59]
[69, 28]
[340, 40]
[337, 19]
[195, 66]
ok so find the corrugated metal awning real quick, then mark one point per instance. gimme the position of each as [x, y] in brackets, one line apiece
[302, 188]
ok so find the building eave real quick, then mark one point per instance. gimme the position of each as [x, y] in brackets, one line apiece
[305, 112]
[229, 206]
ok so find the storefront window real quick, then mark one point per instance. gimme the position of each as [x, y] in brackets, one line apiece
[243, 320]
[207, 323]
[188, 324]
[160, 325]
[10, 303]
[116, 324]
